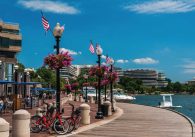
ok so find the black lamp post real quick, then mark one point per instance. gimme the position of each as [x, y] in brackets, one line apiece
[99, 114]
[96, 95]
[86, 97]
[105, 88]
[57, 32]
[1, 69]
[15, 87]
[111, 84]
[105, 98]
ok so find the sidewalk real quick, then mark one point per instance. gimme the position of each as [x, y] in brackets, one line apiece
[67, 111]
[142, 121]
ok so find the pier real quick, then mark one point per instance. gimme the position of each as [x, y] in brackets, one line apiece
[143, 121]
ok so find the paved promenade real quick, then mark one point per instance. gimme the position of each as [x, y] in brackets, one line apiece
[142, 121]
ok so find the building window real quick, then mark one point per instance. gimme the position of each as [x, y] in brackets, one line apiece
[4, 42]
[15, 42]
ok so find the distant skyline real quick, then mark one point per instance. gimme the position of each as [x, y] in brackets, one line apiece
[152, 34]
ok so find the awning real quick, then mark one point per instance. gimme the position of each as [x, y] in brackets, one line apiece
[43, 89]
[6, 82]
[27, 83]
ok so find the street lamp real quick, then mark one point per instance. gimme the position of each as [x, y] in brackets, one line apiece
[105, 87]
[15, 87]
[1, 72]
[86, 77]
[99, 114]
[57, 32]
[111, 91]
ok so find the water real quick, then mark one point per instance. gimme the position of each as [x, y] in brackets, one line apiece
[186, 101]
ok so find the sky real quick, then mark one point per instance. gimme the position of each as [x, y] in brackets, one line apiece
[152, 34]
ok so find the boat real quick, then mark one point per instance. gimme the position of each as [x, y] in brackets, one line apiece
[121, 97]
[167, 101]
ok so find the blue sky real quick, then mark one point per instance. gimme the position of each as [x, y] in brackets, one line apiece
[155, 34]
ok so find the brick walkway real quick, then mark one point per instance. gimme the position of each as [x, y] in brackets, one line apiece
[67, 108]
[142, 121]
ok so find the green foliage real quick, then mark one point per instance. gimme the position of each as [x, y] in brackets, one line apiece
[131, 85]
[21, 67]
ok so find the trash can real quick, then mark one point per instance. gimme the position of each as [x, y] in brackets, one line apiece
[104, 109]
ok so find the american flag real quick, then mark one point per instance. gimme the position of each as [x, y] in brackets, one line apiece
[63, 27]
[91, 48]
[45, 23]
[107, 59]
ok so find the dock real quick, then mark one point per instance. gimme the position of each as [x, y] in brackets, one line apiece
[143, 121]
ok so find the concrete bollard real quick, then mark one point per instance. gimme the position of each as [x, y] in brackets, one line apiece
[102, 100]
[77, 98]
[114, 104]
[85, 116]
[38, 112]
[80, 98]
[70, 97]
[4, 128]
[108, 105]
[45, 107]
[21, 124]
[91, 99]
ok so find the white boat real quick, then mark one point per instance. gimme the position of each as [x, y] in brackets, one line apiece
[120, 97]
[167, 101]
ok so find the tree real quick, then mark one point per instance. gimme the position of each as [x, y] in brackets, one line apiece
[47, 75]
[131, 85]
[21, 67]
[177, 87]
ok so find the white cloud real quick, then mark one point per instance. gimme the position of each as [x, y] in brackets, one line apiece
[189, 66]
[71, 52]
[189, 71]
[122, 61]
[162, 6]
[104, 63]
[146, 60]
[49, 6]
[103, 57]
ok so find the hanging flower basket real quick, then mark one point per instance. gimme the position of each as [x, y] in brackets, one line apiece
[112, 77]
[98, 71]
[86, 84]
[104, 82]
[68, 87]
[58, 61]
[75, 86]
[95, 84]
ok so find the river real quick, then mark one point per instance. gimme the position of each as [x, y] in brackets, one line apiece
[186, 101]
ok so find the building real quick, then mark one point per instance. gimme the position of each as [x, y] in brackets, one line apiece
[69, 72]
[148, 77]
[162, 82]
[82, 68]
[10, 45]
[119, 71]
[191, 82]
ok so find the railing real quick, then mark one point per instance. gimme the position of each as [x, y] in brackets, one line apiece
[11, 33]
[9, 23]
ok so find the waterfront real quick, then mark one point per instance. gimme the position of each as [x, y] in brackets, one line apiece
[186, 101]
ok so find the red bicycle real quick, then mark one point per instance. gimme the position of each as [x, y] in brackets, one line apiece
[59, 124]
[74, 119]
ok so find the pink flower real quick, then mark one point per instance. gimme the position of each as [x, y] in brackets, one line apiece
[58, 61]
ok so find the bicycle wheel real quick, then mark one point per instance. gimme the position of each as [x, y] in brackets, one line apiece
[61, 129]
[71, 124]
[35, 126]
[77, 123]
